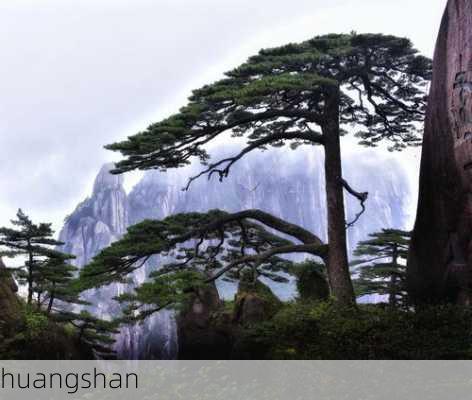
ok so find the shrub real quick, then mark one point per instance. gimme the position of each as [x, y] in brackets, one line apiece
[324, 330]
[36, 324]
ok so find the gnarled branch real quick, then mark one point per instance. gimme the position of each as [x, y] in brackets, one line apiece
[260, 258]
[361, 196]
[228, 162]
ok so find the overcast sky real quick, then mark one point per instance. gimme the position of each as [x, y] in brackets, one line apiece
[76, 75]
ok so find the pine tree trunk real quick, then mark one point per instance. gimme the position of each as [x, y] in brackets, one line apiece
[338, 268]
[392, 295]
[30, 275]
[51, 299]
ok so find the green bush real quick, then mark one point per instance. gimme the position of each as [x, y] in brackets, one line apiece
[36, 324]
[324, 330]
[312, 284]
[33, 336]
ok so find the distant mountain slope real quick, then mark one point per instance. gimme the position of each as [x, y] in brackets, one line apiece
[286, 183]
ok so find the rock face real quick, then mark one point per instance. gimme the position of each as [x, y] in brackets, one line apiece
[254, 303]
[440, 262]
[96, 223]
[209, 330]
[9, 302]
[286, 183]
[199, 336]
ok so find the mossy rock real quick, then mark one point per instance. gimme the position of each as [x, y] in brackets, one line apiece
[312, 284]
[203, 330]
[254, 303]
[26, 334]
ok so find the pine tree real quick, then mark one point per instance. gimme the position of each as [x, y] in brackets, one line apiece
[56, 282]
[382, 266]
[306, 93]
[204, 247]
[35, 242]
[50, 278]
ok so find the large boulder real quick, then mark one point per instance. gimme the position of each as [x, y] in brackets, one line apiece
[254, 303]
[201, 336]
[440, 261]
[208, 330]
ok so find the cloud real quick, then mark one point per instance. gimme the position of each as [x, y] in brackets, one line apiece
[77, 75]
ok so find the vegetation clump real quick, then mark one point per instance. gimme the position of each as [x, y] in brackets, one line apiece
[326, 330]
[41, 326]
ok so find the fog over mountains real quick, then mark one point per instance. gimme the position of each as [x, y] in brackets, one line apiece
[286, 183]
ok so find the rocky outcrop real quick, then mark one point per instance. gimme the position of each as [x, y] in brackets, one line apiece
[210, 330]
[16, 340]
[9, 303]
[202, 333]
[440, 261]
[254, 302]
[97, 221]
[254, 305]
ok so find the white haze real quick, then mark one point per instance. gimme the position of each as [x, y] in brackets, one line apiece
[77, 75]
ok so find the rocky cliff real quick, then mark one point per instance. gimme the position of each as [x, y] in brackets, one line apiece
[440, 263]
[95, 223]
[99, 220]
[286, 183]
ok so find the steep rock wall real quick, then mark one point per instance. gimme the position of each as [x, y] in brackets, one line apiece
[440, 262]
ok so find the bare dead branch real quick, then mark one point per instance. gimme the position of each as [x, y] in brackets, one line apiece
[361, 196]
[222, 167]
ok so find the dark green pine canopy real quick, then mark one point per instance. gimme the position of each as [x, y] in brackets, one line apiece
[280, 94]
[94, 332]
[36, 243]
[204, 247]
[306, 93]
[207, 240]
[55, 281]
